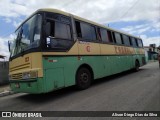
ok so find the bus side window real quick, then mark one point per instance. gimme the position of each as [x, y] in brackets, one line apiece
[85, 31]
[62, 30]
[88, 32]
[130, 41]
[140, 44]
[118, 38]
[60, 35]
[99, 34]
[52, 32]
[113, 36]
[93, 33]
[78, 29]
[134, 43]
[109, 33]
[126, 40]
[104, 35]
[122, 39]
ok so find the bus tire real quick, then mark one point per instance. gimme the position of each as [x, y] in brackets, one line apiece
[83, 78]
[137, 65]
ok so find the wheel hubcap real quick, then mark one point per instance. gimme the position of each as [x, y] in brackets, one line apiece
[84, 77]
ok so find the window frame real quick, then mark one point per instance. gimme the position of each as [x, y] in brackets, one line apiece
[60, 37]
[111, 35]
[110, 41]
[110, 31]
[114, 33]
[134, 44]
[56, 20]
[37, 49]
[60, 20]
[131, 44]
[84, 39]
[140, 40]
[101, 35]
[128, 40]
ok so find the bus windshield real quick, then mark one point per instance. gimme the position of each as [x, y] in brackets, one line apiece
[27, 36]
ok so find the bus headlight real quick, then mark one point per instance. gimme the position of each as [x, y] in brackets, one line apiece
[31, 74]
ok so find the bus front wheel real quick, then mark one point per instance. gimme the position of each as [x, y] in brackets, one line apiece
[83, 78]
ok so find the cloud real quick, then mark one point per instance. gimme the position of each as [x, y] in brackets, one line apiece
[16, 24]
[10, 9]
[4, 45]
[152, 26]
[4, 48]
[8, 20]
[150, 40]
[101, 11]
[146, 31]
[138, 29]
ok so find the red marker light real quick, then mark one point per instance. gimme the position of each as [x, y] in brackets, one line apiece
[88, 48]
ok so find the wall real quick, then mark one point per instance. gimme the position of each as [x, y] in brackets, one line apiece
[4, 70]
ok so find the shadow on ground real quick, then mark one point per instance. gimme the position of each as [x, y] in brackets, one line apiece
[58, 94]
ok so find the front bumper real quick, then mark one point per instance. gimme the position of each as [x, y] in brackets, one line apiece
[34, 86]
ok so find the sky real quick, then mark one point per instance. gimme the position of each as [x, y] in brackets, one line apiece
[137, 17]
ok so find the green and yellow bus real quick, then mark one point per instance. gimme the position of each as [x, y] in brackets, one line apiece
[53, 49]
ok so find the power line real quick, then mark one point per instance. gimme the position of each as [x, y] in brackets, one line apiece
[129, 9]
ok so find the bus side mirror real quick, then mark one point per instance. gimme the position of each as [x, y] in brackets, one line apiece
[9, 46]
[48, 29]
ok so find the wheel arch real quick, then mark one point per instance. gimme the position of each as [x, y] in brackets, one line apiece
[137, 60]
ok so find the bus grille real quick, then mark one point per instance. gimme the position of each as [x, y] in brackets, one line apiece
[16, 76]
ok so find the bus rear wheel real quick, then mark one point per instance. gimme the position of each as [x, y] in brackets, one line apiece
[83, 78]
[137, 66]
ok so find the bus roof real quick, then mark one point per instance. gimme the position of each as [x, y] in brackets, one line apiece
[78, 18]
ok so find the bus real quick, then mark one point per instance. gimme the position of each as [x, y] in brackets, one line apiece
[53, 49]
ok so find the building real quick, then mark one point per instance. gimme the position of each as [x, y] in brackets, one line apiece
[151, 52]
[4, 70]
